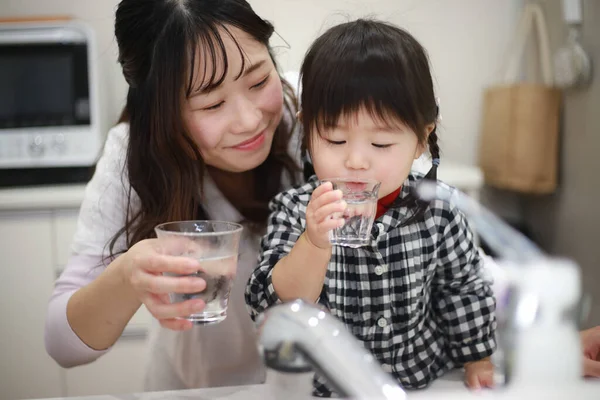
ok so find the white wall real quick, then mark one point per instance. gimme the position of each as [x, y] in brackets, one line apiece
[466, 40]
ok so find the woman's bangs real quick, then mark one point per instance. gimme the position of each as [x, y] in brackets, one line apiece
[209, 61]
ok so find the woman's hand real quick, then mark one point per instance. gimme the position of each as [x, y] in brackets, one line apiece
[324, 203]
[143, 267]
[590, 344]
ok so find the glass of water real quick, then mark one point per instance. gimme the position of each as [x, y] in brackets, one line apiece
[361, 197]
[215, 244]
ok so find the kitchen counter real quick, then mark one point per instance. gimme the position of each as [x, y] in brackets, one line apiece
[467, 178]
[583, 391]
[42, 197]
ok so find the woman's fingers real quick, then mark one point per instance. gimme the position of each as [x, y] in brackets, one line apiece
[177, 324]
[159, 263]
[162, 310]
[145, 282]
[591, 368]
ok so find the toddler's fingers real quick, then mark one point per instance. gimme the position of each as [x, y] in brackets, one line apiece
[324, 199]
[487, 380]
[322, 188]
[329, 225]
[333, 209]
[472, 382]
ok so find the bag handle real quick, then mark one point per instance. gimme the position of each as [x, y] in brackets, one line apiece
[532, 15]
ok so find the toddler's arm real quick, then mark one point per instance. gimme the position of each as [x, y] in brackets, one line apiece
[290, 265]
[463, 300]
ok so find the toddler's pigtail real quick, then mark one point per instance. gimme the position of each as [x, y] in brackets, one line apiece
[412, 201]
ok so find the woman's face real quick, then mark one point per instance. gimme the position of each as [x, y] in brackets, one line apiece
[233, 124]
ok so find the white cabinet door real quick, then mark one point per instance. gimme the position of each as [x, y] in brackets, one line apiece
[26, 371]
[120, 371]
[64, 225]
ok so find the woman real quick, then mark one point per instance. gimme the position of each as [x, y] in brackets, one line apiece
[206, 134]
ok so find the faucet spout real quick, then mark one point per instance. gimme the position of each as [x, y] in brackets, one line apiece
[296, 336]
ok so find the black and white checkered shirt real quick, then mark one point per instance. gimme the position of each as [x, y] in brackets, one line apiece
[415, 296]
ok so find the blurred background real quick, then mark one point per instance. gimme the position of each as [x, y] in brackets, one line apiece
[467, 41]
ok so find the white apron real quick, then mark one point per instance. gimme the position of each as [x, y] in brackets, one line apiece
[223, 354]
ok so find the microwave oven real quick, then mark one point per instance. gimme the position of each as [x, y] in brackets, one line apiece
[49, 107]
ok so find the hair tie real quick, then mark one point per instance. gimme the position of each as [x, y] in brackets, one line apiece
[435, 161]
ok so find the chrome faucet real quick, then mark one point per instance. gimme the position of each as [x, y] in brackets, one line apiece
[299, 337]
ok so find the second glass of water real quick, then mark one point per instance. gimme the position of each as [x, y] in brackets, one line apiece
[215, 244]
[361, 197]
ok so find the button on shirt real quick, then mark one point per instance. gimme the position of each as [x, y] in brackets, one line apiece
[382, 322]
[414, 297]
[380, 270]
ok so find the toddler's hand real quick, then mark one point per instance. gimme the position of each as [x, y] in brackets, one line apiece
[479, 374]
[324, 203]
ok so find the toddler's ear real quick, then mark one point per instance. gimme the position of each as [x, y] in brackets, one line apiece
[419, 151]
[421, 148]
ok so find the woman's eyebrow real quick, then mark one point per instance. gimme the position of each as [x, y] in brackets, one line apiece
[253, 67]
[209, 88]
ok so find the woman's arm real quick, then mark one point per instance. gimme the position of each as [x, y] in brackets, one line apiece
[93, 302]
[89, 295]
[87, 291]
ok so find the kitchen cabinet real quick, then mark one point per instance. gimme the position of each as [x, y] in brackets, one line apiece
[119, 371]
[27, 276]
[36, 229]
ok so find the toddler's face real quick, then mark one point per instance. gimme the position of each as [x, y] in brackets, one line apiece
[365, 148]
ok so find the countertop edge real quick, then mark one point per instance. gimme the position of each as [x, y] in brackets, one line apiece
[42, 197]
[464, 177]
